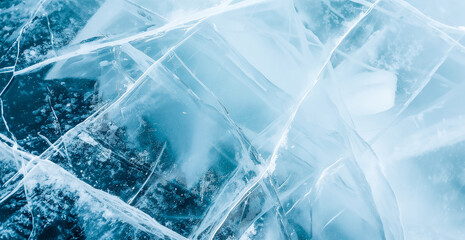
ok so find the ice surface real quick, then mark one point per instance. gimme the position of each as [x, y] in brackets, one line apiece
[232, 119]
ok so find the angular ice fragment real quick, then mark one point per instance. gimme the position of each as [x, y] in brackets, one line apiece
[370, 92]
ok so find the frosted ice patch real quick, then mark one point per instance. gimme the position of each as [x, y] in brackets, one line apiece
[370, 92]
[87, 139]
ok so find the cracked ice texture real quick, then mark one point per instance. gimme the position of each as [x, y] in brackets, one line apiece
[232, 119]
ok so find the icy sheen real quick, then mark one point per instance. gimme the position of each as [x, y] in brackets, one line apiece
[232, 119]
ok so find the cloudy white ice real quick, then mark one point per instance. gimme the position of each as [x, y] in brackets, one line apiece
[232, 119]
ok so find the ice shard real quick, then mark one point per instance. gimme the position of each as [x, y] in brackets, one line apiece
[232, 119]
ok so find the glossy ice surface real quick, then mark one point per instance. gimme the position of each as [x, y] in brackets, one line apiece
[232, 119]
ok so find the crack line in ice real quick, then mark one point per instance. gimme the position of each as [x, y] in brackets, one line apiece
[246, 192]
[362, 2]
[99, 112]
[240, 136]
[96, 114]
[106, 198]
[8, 84]
[9, 194]
[414, 95]
[31, 18]
[432, 22]
[333, 218]
[271, 165]
[175, 24]
[135, 215]
[150, 175]
[325, 172]
[52, 38]
[288, 124]
[146, 9]
[51, 144]
[265, 169]
[18, 41]
[394, 210]
[105, 108]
